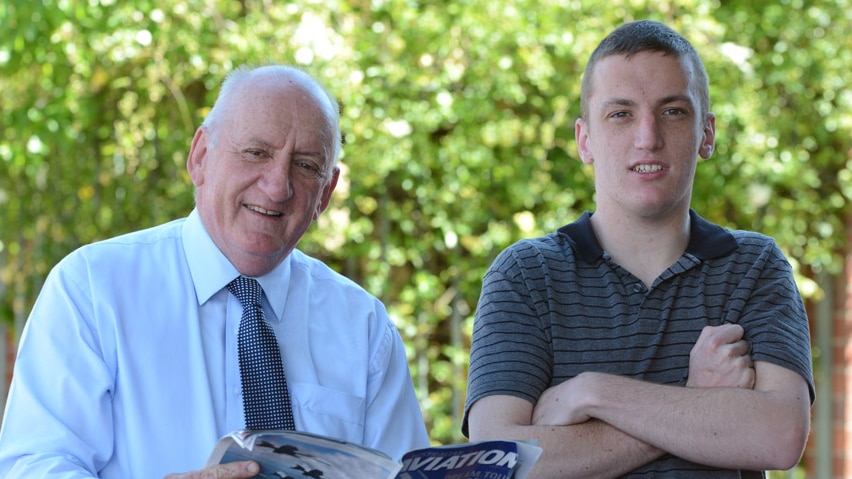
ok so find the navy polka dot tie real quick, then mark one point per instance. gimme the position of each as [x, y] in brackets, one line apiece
[266, 400]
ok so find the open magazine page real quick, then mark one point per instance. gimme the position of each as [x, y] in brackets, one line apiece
[301, 455]
[298, 455]
[477, 460]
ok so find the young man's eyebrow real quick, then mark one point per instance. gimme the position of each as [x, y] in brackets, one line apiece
[675, 99]
[618, 102]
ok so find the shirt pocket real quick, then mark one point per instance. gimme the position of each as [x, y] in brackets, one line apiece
[329, 412]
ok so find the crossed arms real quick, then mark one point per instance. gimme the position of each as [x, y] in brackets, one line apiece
[732, 414]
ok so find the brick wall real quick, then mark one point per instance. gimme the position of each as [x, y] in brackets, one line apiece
[834, 446]
[841, 377]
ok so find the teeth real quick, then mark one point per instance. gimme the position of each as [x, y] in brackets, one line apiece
[263, 210]
[647, 168]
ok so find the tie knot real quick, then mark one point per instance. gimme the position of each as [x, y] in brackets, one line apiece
[247, 290]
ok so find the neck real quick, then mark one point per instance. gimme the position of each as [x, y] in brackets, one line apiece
[644, 246]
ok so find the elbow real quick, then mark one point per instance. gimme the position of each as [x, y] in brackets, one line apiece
[787, 448]
[785, 460]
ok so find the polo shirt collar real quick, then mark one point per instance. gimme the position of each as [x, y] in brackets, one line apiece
[706, 240]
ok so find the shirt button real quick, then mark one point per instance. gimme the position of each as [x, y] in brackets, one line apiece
[638, 288]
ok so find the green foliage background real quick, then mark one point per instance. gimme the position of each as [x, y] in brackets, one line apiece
[459, 134]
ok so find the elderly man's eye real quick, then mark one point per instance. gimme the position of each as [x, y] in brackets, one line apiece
[308, 169]
[254, 155]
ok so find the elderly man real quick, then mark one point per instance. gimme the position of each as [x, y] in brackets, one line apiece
[143, 350]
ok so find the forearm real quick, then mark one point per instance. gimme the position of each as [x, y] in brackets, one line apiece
[592, 449]
[731, 428]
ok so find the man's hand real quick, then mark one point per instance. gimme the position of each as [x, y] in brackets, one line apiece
[720, 358]
[231, 470]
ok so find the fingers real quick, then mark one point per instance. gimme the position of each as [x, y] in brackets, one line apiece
[727, 333]
[237, 470]
[715, 337]
[745, 379]
[231, 470]
[725, 338]
[721, 358]
[740, 348]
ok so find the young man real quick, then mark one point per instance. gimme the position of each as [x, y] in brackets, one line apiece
[641, 339]
[128, 367]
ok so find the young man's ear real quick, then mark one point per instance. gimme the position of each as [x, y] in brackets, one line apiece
[584, 148]
[709, 141]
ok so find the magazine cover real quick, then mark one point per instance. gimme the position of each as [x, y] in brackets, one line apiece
[477, 460]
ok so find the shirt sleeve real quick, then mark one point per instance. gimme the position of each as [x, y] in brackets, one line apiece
[506, 354]
[59, 367]
[394, 422]
[769, 307]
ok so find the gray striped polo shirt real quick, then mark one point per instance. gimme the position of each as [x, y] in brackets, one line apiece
[555, 306]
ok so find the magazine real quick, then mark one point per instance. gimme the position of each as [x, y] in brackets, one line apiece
[301, 455]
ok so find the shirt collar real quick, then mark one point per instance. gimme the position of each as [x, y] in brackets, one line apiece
[706, 240]
[275, 286]
[211, 271]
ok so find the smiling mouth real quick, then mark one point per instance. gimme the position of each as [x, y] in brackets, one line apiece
[647, 168]
[263, 211]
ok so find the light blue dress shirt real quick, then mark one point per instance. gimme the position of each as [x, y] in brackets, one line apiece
[127, 367]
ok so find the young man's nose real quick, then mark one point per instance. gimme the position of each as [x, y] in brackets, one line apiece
[648, 136]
